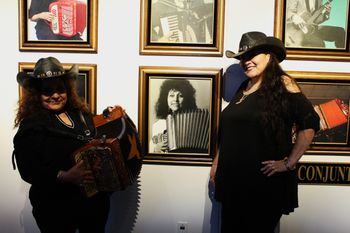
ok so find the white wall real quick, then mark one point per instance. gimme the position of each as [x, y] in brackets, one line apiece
[166, 194]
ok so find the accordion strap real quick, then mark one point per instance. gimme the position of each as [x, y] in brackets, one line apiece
[87, 130]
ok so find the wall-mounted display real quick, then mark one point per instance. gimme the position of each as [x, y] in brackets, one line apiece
[86, 81]
[58, 25]
[329, 92]
[173, 27]
[179, 114]
[313, 30]
[324, 173]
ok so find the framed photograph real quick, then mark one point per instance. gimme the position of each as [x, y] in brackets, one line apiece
[61, 26]
[86, 81]
[179, 114]
[329, 92]
[313, 30]
[178, 27]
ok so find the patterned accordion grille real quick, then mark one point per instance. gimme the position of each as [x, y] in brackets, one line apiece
[188, 129]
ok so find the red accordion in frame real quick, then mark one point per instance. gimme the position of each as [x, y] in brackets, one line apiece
[332, 113]
[69, 17]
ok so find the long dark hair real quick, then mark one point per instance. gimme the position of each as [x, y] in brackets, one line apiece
[30, 103]
[182, 85]
[273, 93]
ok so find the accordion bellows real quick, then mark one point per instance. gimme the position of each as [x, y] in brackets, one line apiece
[105, 161]
[188, 130]
[114, 156]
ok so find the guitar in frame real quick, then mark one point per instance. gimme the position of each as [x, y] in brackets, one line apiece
[295, 35]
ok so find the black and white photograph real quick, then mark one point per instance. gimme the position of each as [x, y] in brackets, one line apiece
[182, 27]
[179, 21]
[180, 118]
[179, 115]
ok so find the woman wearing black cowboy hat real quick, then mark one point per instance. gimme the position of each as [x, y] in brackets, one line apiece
[254, 174]
[48, 112]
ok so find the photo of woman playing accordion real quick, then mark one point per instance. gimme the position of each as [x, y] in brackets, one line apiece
[58, 19]
[182, 21]
[175, 95]
[49, 112]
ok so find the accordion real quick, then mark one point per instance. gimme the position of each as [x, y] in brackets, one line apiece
[170, 26]
[332, 113]
[103, 158]
[188, 131]
[69, 17]
[115, 156]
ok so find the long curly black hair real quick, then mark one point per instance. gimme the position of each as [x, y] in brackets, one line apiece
[182, 85]
[30, 102]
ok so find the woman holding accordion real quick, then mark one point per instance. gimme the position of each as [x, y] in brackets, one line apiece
[48, 113]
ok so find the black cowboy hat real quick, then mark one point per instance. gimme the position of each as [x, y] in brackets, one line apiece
[252, 41]
[45, 69]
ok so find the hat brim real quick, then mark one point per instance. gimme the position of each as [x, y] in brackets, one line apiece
[273, 46]
[27, 80]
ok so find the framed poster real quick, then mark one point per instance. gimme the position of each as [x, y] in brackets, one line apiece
[179, 114]
[313, 31]
[329, 92]
[177, 27]
[86, 81]
[62, 26]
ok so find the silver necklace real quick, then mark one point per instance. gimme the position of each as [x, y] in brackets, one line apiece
[251, 88]
[242, 98]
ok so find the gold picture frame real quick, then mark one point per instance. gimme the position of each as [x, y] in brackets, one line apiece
[84, 41]
[186, 28]
[311, 40]
[86, 81]
[199, 85]
[329, 92]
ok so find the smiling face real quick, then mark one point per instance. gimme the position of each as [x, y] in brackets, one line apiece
[175, 100]
[53, 94]
[255, 63]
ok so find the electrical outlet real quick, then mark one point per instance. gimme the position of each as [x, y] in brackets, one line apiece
[182, 227]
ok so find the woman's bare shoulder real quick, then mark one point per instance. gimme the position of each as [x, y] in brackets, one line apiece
[290, 84]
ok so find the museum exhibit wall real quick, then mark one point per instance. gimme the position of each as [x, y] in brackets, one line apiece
[164, 195]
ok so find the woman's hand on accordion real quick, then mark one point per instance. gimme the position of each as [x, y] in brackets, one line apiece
[160, 142]
[48, 16]
[76, 175]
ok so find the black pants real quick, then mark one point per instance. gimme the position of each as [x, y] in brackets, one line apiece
[326, 33]
[238, 217]
[88, 215]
